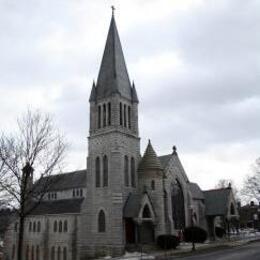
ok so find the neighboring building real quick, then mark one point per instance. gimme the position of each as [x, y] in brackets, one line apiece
[250, 215]
[122, 198]
[221, 210]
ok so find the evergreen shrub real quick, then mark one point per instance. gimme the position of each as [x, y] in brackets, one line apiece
[168, 241]
[195, 234]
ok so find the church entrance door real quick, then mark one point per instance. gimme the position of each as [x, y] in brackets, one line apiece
[147, 232]
[130, 231]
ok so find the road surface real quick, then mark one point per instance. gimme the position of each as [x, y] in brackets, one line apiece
[246, 252]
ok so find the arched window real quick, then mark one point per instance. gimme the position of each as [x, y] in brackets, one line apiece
[58, 254]
[129, 117]
[60, 226]
[97, 172]
[109, 113]
[105, 171]
[81, 193]
[55, 226]
[65, 226]
[30, 226]
[52, 253]
[32, 253]
[153, 185]
[39, 226]
[101, 221]
[73, 193]
[178, 210]
[27, 252]
[37, 253]
[232, 209]
[34, 226]
[126, 171]
[64, 253]
[104, 115]
[146, 212]
[133, 172]
[120, 114]
[99, 116]
[125, 116]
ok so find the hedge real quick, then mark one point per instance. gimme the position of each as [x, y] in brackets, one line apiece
[195, 234]
[168, 241]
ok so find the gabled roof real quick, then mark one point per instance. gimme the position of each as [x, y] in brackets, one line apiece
[58, 207]
[195, 190]
[150, 159]
[113, 76]
[216, 201]
[164, 159]
[64, 181]
[132, 206]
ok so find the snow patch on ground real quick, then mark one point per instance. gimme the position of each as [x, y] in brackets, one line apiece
[132, 256]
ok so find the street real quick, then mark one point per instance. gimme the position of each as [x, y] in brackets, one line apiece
[247, 252]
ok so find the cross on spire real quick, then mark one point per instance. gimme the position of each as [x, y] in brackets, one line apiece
[113, 10]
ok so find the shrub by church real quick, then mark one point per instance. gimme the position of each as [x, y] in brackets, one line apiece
[122, 198]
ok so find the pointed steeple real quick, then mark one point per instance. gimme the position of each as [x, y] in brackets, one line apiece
[150, 159]
[134, 94]
[92, 97]
[113, 76]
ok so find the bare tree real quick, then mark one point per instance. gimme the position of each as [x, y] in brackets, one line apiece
[251, 187]
[36, 148]
[224, 183]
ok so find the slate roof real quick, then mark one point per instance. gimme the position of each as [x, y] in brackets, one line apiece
[164, 159]
[216, 201]
[58, 207]
[132, 206]
[195, 190]
[113, 76]
[150, 159]
[64, 181]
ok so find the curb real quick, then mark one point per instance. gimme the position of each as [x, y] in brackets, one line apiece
[214, 247]
[188, 252]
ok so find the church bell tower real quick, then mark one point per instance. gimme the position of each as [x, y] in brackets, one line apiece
[113, 152]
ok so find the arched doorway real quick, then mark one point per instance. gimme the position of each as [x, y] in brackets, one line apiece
[147, 227]
[178, 208]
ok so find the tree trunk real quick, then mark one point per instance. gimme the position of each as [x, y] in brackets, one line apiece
[20, 239]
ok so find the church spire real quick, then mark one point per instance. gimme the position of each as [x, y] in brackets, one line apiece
[150, 159]
[113, 76]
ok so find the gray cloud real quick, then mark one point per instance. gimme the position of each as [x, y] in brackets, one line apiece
[196, 71]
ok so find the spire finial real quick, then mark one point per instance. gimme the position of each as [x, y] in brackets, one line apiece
[113, 10]
[174, 150]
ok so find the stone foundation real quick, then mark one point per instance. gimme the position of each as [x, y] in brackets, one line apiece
[89, 252]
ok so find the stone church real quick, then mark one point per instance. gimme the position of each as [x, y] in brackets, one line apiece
[122, 198]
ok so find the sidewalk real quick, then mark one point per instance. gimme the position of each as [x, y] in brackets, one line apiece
[185, 248]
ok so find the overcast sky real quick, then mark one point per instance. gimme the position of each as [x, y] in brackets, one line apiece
[196, 67]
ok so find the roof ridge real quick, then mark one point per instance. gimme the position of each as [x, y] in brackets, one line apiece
[216, 189]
